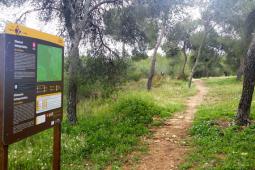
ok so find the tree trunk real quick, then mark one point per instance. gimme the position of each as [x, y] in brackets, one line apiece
[243, 114]
[154, 58]
[240, 70]
[123, 49]
[198, 58]
[182, 75]
[207, 70]
[72, 84]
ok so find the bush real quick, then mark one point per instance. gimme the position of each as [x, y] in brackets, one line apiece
[136, 110]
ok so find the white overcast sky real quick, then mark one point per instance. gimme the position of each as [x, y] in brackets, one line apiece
[32, 21]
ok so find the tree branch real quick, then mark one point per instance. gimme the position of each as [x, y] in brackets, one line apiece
[101, 3]
[34, 10]
[103, 43]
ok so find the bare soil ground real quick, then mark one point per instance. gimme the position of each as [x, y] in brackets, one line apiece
[168, 146]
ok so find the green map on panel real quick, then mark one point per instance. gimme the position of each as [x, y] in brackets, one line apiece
[49, 63]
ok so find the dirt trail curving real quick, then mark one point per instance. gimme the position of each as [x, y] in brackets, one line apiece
[168, 147]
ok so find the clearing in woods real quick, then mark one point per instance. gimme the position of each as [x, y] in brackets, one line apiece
[167, 148]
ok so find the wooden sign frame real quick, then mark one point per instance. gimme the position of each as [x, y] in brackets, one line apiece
[31, 87]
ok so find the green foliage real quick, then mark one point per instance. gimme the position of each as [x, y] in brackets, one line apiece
[159, 7]
[131, 26]
[135, 75]
[163, 65]
[136, 110]
[234, 49]
[139, 69]
[179, 37]
[123, 25]
[152, 33]
[218, 144]
[100, 76]
[214, 56]
[171, 49]
[137, 55]
[166, 65]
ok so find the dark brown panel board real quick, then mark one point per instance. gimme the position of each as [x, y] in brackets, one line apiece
[31, 86]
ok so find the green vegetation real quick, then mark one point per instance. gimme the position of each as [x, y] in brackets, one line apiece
[100, 77]
[166, 65]
[217, 142]
[108, 128]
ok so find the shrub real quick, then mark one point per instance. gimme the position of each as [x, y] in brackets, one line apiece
[136, 110]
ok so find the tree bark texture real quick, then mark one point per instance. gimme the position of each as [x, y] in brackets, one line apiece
[198, 58]
[240, 70]
[123, 49]
[72, 84]
[243, 114]
[72, 11]
[154, 57]
[182, 75]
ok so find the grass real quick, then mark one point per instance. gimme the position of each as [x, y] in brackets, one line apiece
[217, 143]
[108, 129]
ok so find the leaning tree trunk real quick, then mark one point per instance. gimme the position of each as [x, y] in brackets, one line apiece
[73, 81]
[182, 75]
[243, 114]
[240, 70]
[198, 58]
[154, 58]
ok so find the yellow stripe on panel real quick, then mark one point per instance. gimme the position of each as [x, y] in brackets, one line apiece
[21, 30]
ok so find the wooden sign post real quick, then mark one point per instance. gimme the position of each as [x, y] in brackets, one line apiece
[56, 147]
[4, 157]
[31, 87]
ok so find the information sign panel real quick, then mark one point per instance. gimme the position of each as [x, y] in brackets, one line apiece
[31, 82]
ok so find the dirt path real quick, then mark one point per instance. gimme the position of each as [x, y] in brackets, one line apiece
[167, 148]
